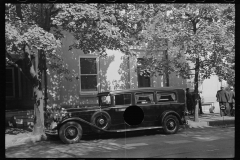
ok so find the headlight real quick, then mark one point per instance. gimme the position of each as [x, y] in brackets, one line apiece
[56, 116]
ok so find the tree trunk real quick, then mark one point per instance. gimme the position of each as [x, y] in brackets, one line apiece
[196, 76]
[166, 68]
[197, 65]
[38, 128]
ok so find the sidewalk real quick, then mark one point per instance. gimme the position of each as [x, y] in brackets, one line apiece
[210, 119]
[16, 136]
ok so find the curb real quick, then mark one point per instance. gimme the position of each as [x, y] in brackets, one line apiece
[220, 122]
[192, 124]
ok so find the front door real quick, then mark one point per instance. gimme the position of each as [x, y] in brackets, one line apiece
[120, 103]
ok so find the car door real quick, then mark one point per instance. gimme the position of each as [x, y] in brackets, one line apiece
[120, 102]
[146, 101]
[166, 100]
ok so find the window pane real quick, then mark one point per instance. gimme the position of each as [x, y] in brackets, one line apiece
[144, 79]
[166, 97]
[88, 65]
[9, 76]
[123, 99]
[143, 98]
[9, 89]
[89, 83]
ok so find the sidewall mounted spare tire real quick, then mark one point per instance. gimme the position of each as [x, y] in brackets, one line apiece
[102, 120]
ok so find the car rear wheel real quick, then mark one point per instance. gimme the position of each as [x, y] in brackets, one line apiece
[170, 124]
[70, 132]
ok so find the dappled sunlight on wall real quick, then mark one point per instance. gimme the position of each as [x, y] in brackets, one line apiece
[133, 73]
[62, 91]
[114, 71]
[54, 85]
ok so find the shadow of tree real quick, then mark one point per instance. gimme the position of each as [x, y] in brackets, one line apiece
[56, 149]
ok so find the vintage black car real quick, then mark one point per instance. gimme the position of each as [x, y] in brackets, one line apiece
[162, 107]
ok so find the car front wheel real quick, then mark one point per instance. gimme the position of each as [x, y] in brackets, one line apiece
[170, 124]
[70, 132]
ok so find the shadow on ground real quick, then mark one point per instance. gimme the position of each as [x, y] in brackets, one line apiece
[54, 147]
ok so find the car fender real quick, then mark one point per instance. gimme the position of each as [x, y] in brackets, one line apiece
[80, 120]
[164, 114]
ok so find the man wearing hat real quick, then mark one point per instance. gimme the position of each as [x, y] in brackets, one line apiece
[231, 100]
[222, 98]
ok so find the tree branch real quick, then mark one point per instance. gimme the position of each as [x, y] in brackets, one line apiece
[19, 11]
[54, 12]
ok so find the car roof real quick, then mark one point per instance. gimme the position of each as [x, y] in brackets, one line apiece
[140, 89]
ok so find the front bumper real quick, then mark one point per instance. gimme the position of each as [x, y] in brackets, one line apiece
[51, 132]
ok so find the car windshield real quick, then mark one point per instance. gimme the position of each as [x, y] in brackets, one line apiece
[105, 100]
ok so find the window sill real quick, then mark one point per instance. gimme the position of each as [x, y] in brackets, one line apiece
[88, 94]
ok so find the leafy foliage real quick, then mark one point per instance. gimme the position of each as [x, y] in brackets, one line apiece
[97, 27]
[203, 33]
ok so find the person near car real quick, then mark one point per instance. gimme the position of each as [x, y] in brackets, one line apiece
[200, 102]
[189, 100]
[231, 100]
[222, 98]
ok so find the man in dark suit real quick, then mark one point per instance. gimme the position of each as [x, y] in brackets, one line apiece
[190, 103]
[222, 98]
[231, 100]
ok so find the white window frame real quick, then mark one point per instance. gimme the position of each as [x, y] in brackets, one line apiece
[13, 82]
[98, 82]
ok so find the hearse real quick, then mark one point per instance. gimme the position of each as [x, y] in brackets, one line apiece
[162, 108]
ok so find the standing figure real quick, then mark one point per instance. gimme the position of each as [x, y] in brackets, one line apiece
[200, 102]
[189, 101]
[222, 98]
[231, 100]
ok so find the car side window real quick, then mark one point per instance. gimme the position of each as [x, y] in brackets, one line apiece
[144, 98]
[123, 99]
[166, 97]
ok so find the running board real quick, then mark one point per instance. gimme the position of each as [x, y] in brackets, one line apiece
[134, 129]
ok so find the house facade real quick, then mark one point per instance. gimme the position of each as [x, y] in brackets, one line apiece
[93, 73]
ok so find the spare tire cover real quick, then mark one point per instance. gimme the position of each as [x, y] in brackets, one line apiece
[101, 119]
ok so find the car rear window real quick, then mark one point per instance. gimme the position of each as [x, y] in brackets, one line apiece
[144, 98]
[166, 97]
[122, 99]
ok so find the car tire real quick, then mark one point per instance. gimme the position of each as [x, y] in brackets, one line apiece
[170, 124]
[102, 120]
[70, 132]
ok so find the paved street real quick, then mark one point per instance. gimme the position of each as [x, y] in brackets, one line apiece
[209, 142]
